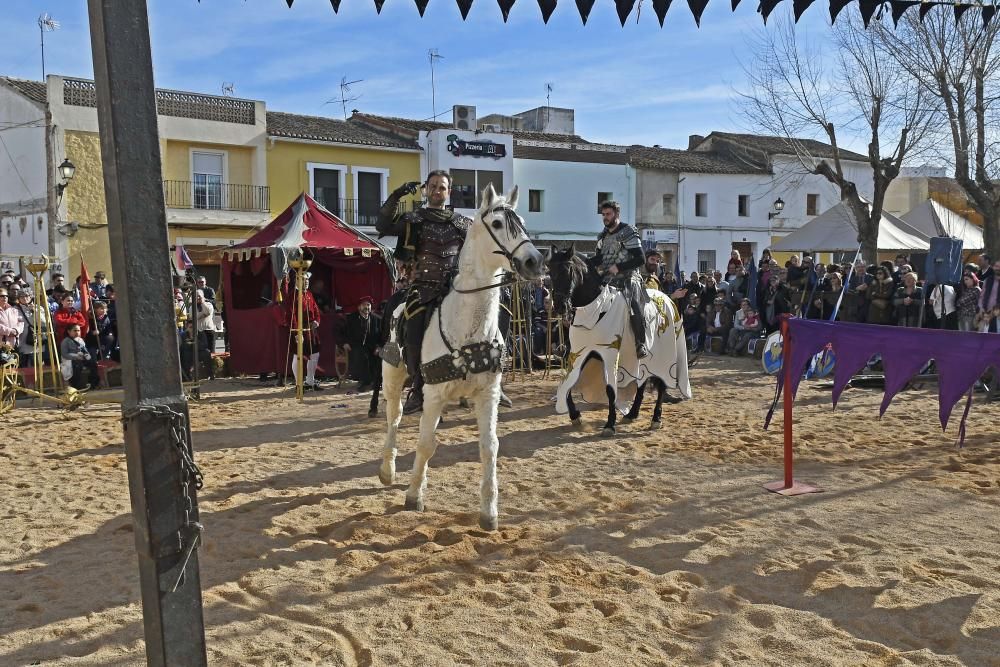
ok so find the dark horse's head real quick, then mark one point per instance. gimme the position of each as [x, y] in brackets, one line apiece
[568, 272]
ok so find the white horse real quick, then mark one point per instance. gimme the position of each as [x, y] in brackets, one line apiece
[602, 359]
[464, 341]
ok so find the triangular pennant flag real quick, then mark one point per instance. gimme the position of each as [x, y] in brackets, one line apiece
[336, 5]
[421, 6]
[697, 9]
[288, 1]
[926, 7]
[961, 9]
[799, 6]
[547, 7]
[660, 7]
[766, 7]
[899, 8]
[989, 11]
[867, 8]
[836, 6]
[464, 6]
[584, 7]
[735, 3]
[505, 7]
[624, 9]
[378, 6]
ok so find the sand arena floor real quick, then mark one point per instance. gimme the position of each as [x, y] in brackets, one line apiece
[652, 548]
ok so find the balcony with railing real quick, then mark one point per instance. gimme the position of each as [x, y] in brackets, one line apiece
[362, 212]
[211, 195]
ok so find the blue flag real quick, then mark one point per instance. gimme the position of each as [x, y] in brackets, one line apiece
[752, 277]
[677, 269]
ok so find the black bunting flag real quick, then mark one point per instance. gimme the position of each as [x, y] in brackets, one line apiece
[868, 8]
[421, 6]
[766, 7]
[624, 9]
[584, 7]
[464, 6]
[836, 6]
[899, 8]
[505, 7]
[798, 6]
[378, 6]
[547, 7]
[336, 5]
[735, 4]
[926, 7]
[989, 11]
[961, 9]
[660, 8]
[697, 9]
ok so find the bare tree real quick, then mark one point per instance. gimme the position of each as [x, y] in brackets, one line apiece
[860, 93]
[958, 64]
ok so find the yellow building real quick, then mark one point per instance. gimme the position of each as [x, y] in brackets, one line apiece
[213, 161]
[347, 167]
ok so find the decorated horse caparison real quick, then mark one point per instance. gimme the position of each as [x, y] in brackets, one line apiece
[463, 348]
[602, 359]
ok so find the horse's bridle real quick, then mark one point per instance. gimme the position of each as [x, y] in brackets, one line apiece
[512, 219]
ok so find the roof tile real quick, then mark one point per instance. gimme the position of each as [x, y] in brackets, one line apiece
[33, 90]
[321, 128]
[786, 146]
[697, 162]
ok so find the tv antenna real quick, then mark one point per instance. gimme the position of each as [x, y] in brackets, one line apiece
[46, 24]
[345, 91]
[432, 55]
[548, 94]
[228, 89]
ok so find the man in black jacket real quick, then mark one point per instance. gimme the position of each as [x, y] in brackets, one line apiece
[362, 330]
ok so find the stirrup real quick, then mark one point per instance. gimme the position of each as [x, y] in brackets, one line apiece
[641, 351]
[414, 402]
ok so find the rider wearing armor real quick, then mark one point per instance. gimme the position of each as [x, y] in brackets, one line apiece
[431, 237]
[619, 254]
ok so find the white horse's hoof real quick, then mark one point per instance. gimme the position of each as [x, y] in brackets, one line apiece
[607, 431]
[488, 523]
[413, 505]
[387, 478]
[656, 426]
[627, 420]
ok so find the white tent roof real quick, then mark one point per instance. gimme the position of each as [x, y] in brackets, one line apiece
[835, 230]
[934, 219]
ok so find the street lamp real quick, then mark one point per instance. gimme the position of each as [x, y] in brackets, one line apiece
[66, 172]
[779, 206]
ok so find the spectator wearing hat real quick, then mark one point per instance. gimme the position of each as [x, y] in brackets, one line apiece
[967, 301]
[362, 330]
[100, 285]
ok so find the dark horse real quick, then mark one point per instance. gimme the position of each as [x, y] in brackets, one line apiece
[600, 332]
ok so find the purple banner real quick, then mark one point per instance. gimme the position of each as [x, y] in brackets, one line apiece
[961, 358]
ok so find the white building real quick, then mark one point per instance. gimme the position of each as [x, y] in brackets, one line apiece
[720, 194]
[24, 180]
[563, 184]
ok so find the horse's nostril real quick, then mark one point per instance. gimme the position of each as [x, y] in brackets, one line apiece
[530, 263]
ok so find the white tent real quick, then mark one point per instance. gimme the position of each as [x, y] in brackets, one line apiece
[934, 219]
[835, 230]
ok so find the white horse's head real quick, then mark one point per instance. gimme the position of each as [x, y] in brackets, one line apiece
[505, 234]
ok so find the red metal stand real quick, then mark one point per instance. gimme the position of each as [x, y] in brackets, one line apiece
[788, 486]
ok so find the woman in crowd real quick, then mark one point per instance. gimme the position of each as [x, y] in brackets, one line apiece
[967, 301]
[67, 315]
[206, 320]
[881, 293]
[909, 302]
[776, 302]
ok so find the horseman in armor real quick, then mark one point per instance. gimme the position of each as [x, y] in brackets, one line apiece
[431, 237]
[619, 254]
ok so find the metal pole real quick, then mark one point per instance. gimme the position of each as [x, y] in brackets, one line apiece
[786, 356]
[192, 277]
[299, 334]
[162, 476]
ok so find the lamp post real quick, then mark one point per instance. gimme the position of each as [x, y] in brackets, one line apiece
[67, 170]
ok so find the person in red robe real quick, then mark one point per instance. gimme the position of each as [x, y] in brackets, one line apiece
[310, 339]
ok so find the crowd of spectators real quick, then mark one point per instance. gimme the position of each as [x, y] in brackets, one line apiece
[747, 303]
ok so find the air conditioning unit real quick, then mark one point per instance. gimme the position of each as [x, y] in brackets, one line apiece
[464, 117]
[491, 127]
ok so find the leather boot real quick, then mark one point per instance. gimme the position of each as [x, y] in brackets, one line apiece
[415, 399]
[638, 324]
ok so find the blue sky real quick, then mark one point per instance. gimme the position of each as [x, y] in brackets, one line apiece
[637, 84]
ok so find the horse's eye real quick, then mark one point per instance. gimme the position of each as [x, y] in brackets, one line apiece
[497, 224]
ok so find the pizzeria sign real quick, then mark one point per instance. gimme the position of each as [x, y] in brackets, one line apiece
[459, 147]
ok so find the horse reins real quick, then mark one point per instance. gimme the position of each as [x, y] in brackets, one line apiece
[510, 278]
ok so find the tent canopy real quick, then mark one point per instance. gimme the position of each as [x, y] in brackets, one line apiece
[835, 230]
[934, 219]
[347, 266]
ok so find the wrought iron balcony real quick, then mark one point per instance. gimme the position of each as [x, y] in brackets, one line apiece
[363, 212]
[209, 195]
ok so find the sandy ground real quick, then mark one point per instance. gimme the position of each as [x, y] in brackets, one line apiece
[652, 548]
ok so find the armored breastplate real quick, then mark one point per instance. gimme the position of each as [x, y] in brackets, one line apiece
[437, 257]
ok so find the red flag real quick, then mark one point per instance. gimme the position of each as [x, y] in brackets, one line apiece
[84, 287]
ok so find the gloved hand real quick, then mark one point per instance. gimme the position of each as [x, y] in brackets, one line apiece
[408, 188]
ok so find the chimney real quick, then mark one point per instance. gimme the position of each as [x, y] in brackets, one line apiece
[694, 140]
